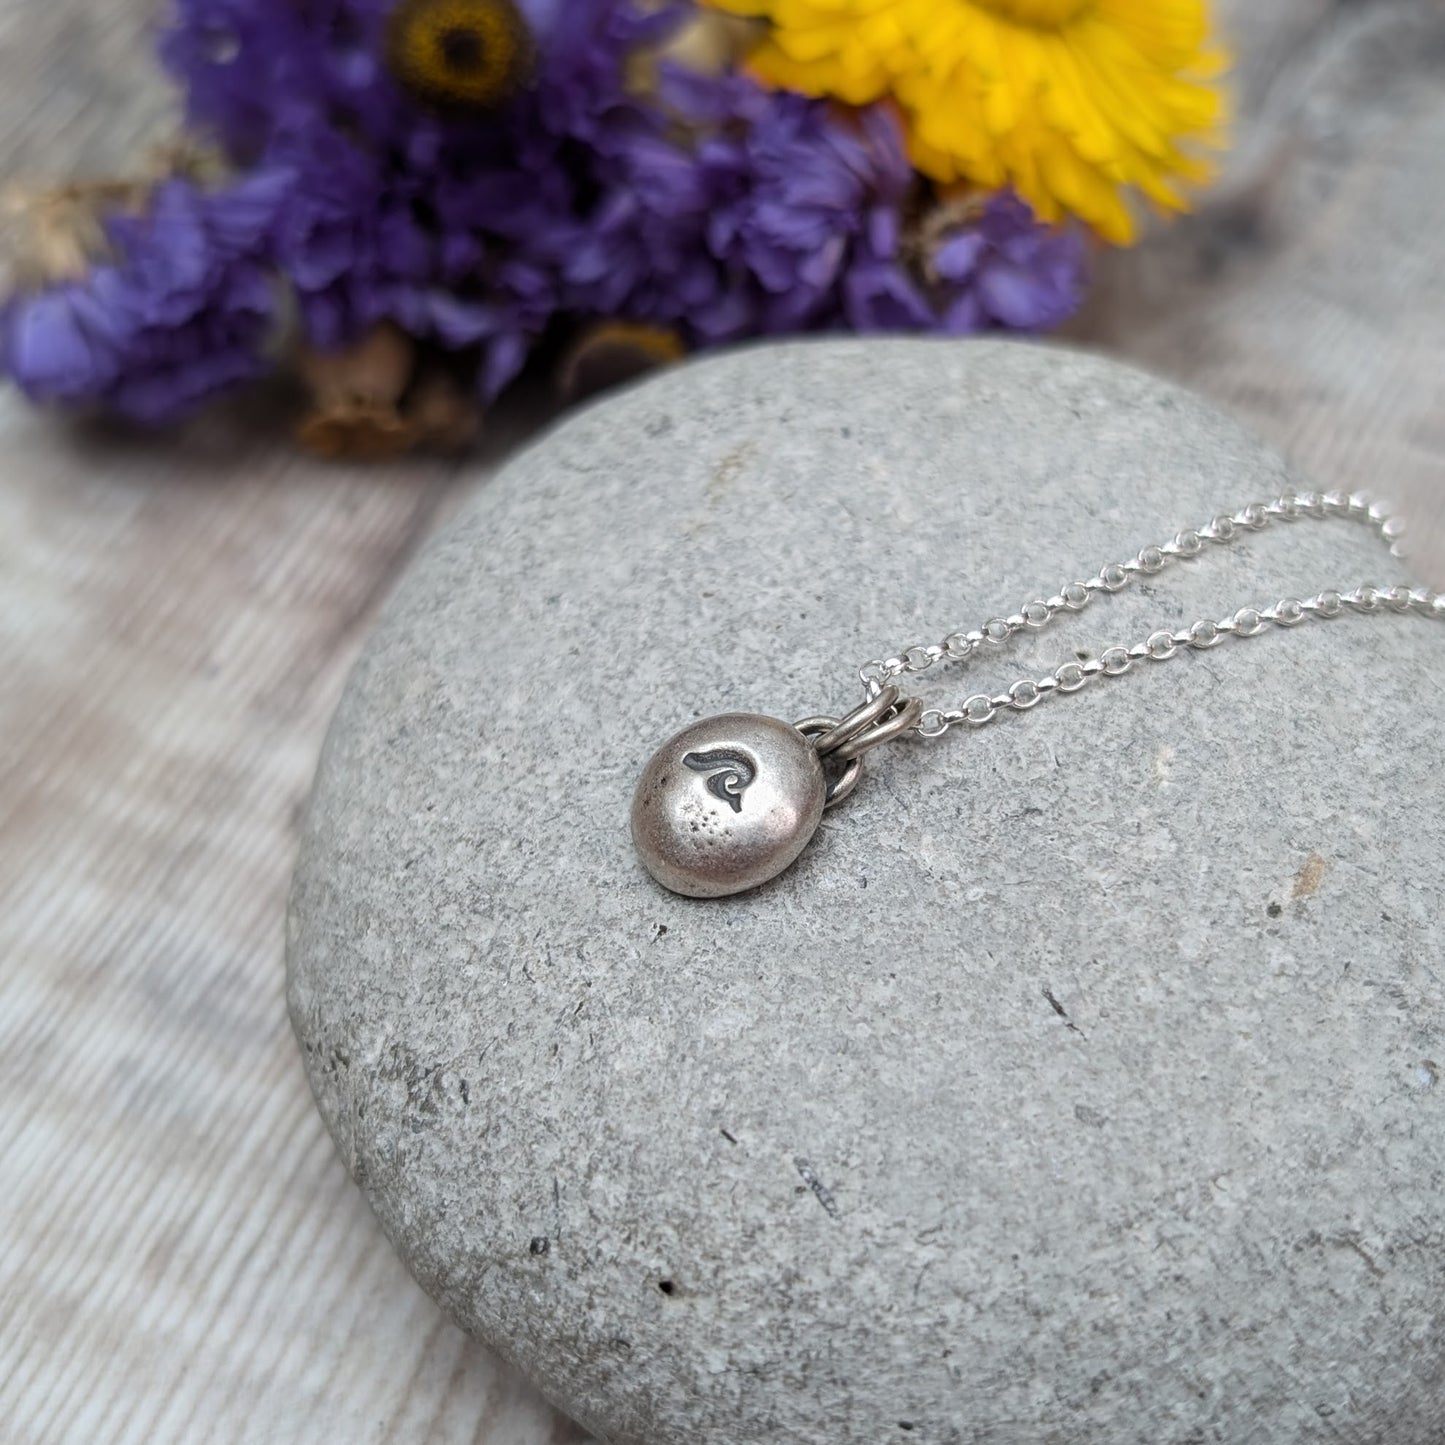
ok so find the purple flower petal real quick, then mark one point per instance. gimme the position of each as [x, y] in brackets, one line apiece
[716, 208]
[459, 324]
[185, 310]
[48, 352]
[878, 297]
[959, 256]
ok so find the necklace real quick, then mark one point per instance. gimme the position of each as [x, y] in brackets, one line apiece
[731, 802]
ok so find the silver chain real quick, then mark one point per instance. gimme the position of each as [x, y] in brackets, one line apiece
[1162, 646]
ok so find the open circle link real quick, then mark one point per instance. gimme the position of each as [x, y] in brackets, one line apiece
[858, 721]
[840, 787]
[878, 721]
[933, 724]
[904, 719]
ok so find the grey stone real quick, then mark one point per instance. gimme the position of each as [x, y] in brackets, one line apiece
[1082, 1081]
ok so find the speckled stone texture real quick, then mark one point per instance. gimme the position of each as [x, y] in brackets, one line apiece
[1080, 1086]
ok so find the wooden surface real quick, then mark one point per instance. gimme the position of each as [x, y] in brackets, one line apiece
[182, 1257]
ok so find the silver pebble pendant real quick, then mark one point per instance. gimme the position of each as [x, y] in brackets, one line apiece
[728, 804]
[731, 802]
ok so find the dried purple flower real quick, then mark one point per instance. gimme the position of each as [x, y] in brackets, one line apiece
[403, 174]
[183, 311]
[1008, 272]
[804, 191]
[806, 225]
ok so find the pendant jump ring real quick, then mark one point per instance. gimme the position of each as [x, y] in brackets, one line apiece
[906, 717]
[841, 787]
[858, 721]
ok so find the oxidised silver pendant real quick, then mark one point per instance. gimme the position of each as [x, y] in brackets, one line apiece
[731, 802]
[728, 804]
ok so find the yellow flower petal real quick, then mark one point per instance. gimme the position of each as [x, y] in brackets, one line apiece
[1079, 105]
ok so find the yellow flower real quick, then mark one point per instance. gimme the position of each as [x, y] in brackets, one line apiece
[462, 54]
[1073, 103]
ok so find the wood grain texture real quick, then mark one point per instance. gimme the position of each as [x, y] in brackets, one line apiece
[181, 1255]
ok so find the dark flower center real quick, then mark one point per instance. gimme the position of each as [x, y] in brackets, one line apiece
[462, 49]
[460, 54]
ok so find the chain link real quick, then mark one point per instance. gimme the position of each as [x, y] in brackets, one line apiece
[1162, 646]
